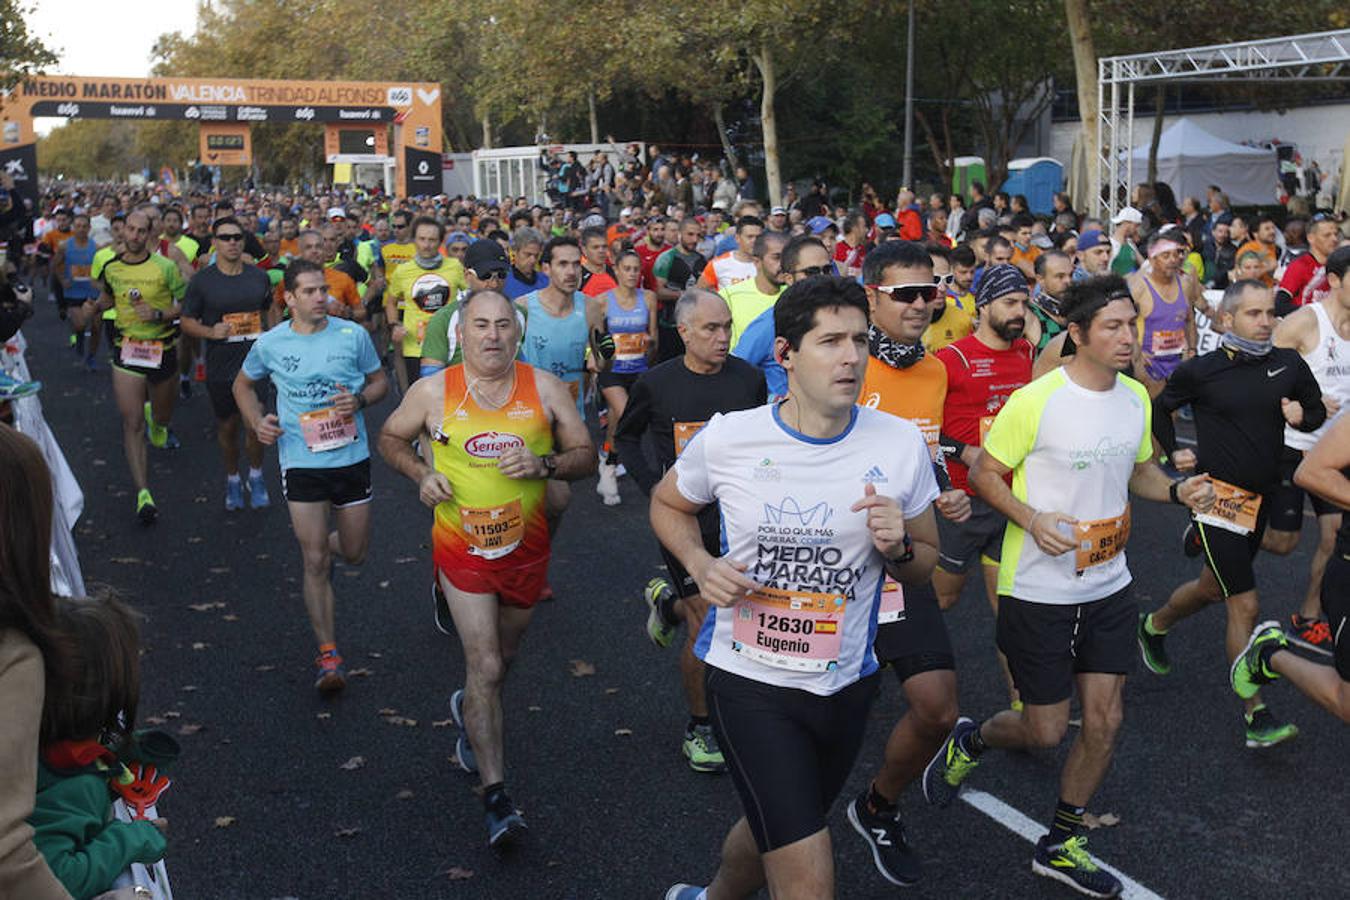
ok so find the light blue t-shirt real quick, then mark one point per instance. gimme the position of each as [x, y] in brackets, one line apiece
[307, 370]
[755, 346]
[557, 345]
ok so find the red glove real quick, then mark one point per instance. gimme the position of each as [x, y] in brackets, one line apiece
[140, 787]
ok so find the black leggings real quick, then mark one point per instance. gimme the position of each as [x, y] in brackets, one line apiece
[789, 751]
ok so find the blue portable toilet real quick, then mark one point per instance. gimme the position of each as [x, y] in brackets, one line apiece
[1039, 179]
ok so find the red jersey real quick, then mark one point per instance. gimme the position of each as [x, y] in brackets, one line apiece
[979, 381]
[1305, 280]
[648, 254]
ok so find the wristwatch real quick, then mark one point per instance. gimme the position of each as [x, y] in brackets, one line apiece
[908, 543]
[361, 401]
[1172, 491]
[550, 462]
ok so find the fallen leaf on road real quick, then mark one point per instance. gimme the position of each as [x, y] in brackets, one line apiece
[405, 559]
[384, 584]
[199, 645]
[198, 499]
[323, 715]
[205, 607]
[190, 728]
[535, 708]
[173, 714]
[444, 723]
[219, 570]
[387, 711]
[100, 462]
[404, 794]
[401, 720]
[375, 655]
[1105, 820]
[361, 673]
[352, 573]
[263, 556]
[224, 821]
[153, 720]
[455, 873]
[623, 732]
[353, 831]
[189, 688]
[580, 668]
[230, 617]
[265, 667]
[126, 560]
[195, 539]
[611, 690]
[353, 764]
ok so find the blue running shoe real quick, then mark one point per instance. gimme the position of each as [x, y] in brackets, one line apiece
[234, 494]
[467, 761]
[257, 492]
[505, 824]
[1070, 863]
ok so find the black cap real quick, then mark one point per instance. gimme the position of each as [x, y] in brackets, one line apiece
[485, 256]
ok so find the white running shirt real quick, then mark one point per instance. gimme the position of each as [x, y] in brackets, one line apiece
[784, 500]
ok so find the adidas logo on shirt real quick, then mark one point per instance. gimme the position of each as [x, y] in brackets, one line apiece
[874, 475]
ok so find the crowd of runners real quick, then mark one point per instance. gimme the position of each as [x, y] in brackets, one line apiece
[838, 416]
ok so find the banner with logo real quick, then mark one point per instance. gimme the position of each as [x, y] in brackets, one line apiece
[20, 165]
[224, 144]
[413, 108]
[356, 143]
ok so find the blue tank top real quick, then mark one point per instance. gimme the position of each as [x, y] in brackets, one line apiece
[557, 344]
[78, 261]
[629, 327]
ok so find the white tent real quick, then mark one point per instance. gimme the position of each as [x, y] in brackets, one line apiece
[1190, 159]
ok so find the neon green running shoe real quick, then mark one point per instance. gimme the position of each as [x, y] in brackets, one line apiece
[146, 510]
[700, 748]
[944, 774]
[1264, 730]
[1152, 647]
[659, 630]
[1071, 864]
[1249, 670]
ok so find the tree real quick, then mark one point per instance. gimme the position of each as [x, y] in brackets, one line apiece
[21, 53]
[92, 149]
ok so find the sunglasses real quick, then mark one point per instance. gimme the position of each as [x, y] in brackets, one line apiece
[232, 236]
[815, 270]
[908, 293]
[491, 274]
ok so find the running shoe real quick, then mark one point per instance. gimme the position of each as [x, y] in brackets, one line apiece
[1264, 730]
[944, 774]
[684, 892]
[659, 629]
[505, 824]
[1191, 545]
[700, 748]
[1249, 671]
[146, 510]
[894, 858]
[184, 387]
[234, 494]
[1070, 863]
[1152, 647]
[91, 364]
[608, 486]
[12, 388]
[440, 609]
[332, 677]
[1310, 634]
[258, 497]
[463, 750]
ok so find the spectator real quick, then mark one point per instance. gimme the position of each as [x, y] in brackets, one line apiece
[1125, 256]
[909, 223]
[30, 657]
[956, 214]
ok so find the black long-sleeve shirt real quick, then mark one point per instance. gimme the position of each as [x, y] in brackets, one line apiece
[1239, 421]
[669, 394]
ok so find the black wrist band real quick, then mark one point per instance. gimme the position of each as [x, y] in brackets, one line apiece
[1172, 491]
[361, 401]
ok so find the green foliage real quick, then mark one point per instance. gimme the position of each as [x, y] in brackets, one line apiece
[21, 53]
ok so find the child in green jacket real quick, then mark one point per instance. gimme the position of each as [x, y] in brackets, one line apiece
[86, 735]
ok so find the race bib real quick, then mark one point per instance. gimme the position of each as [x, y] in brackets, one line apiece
[493, 531]
[326, 429]
[892, 607]
[630, 345]
[684, 433]
[798, 630]
[1100, 541]
[1234, 509]
[931, 431]
[142, 354]
[244, 326]
[986, 423]
[422, 330]
[80, 274]
[1168, 343]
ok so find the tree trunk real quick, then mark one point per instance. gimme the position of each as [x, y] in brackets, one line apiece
[1085, 71]
[487, 131]
[1159, 101]
[727, 150]
[595, 120]
[769, 76]
[942, 157]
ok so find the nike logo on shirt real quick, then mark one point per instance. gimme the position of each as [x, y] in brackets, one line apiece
[1271, 373]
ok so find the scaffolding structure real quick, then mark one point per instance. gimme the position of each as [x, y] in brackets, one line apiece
[1324, 56]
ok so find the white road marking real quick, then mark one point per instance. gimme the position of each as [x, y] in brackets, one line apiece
[1031, 830]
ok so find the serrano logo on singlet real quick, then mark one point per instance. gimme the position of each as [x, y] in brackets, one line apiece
[492, 444]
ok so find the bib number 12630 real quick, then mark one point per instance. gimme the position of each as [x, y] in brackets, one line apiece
[798, 630]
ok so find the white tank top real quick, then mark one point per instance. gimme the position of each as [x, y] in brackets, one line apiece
[1330, 364]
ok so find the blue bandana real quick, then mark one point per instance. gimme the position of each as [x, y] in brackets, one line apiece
[998, 281]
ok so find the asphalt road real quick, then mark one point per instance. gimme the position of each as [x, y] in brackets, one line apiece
[262, 806]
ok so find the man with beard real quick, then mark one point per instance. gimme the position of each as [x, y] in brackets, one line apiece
[982, 372]
[676, 271]
[1094, 255]
[749, 298]
[1054, 273]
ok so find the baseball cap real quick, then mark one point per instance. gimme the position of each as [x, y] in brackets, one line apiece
[485, 258]
[1091, 238]
[1128, 214]
[885, 220]
[458, 237]
[778, 211]
[595, 220]
[336, 212]
[818, 224]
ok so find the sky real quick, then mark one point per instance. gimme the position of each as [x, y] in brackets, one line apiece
[89, 40]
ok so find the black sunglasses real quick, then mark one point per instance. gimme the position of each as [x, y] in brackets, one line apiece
[490, 274]
[908, 293]
[232, 236]
[815, 270]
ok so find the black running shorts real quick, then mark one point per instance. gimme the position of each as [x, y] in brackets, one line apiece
[1047, 644]
[222, 398]
[1286, 501]
[1230, 555]
[961, 544]
[1336, 606]
[342, 486]
[789, 751]
[710, 527]
[918, 641]
[168, 366]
